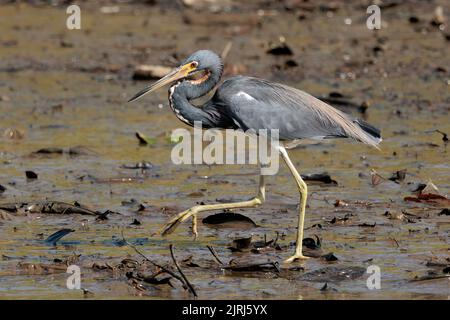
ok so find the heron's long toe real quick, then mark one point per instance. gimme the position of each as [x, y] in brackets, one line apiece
[170, 226]
[296, 257]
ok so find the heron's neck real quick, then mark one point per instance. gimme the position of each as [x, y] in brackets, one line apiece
[183, 92]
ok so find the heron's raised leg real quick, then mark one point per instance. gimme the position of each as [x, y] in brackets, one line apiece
[192, 212]
[303, 189]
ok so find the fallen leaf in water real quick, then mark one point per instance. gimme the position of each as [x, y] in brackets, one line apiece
[139, 165]
[327, 288]
[367, 225]
[310, 243]
[40, 268]
[430, 187]
[319, 177]
[241, 243]
[438, 17]
[342, 220]
[413, 19]
[5, 215]
[376, 178]
[429, 198]
[329, 257]
[280, 49]
[340, 203]
[394, 215]
[268, 266]
[144, 140]
[189, 263]
[87, 293]
[135, 222]
[290, 63]
[13, 134]
[334, 274]
[55, 237]
[398, 176]
[196, 194]
[230, 219]
[73, 151]
[444, 136]
[31, 175]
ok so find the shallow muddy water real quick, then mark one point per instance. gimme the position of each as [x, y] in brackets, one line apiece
[66, 89]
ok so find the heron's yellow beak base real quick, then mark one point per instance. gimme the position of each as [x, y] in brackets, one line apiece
[175, 75]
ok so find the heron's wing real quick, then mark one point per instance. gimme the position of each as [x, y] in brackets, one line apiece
[260, 104]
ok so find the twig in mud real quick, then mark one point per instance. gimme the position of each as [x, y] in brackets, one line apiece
[214, 253]
[188, 284]
[226, 50]
[168, 271]
[396, 242]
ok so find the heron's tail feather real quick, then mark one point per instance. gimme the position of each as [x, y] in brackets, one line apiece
[373, 134]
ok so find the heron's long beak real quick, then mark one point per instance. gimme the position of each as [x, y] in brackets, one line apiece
[174, 75]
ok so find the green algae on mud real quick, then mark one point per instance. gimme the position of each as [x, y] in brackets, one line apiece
[61, 96]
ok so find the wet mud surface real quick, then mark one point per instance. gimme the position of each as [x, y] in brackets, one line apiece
[78, 187]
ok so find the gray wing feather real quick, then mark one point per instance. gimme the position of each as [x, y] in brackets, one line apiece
[260, 104]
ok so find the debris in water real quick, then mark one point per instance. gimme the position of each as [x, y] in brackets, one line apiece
[144, 140]
[31, 175]
[14, 134]
[376, 178]
[398, 176]
[319, 177]
[327, 288]
[334, 274]
[431, 198]
[230, 219]
[268, 266]
[329, 257]
[241, 243]
[140, 165]
[55, 237]
[280, 49]
[310, 243]
[368, 225]
[135, 222]
[340, 203]
[72, 151]
[444, 136]
[438, 18]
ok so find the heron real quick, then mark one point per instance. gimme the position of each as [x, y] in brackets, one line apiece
[243, 103]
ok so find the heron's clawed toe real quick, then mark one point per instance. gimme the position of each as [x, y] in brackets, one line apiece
[170, 226]
[296, 257]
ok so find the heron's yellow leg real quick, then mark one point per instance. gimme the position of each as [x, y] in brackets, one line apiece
[303, 189]
[171, 225]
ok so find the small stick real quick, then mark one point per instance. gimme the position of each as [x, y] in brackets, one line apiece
[152, 262]
[188, 284]
[213, 252]
[226, 50]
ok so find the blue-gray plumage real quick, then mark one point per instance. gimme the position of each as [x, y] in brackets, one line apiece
[251, 103]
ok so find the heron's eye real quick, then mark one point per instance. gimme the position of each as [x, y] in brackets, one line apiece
[194, 64]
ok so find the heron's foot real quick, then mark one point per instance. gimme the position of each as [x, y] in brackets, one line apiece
[297, 256]
[170, 226]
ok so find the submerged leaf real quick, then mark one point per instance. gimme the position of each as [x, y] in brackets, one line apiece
[55, 237]
[229, 218]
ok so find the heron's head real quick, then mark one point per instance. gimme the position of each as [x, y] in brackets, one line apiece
[199, 67]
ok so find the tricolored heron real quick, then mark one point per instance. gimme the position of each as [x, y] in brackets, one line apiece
[251, 103]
